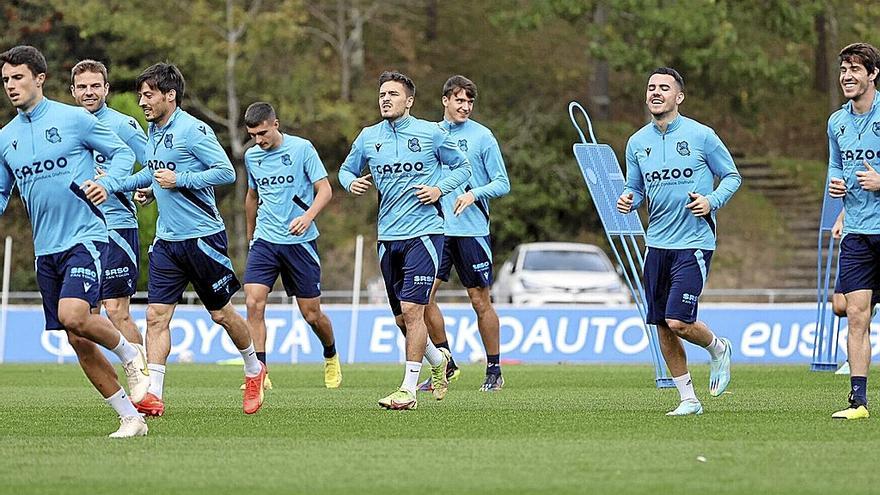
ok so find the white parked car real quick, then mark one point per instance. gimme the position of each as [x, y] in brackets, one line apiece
[559, 272]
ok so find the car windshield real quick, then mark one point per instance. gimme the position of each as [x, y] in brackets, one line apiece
[568, 261]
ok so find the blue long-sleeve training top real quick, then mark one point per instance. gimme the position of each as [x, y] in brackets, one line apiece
[854, 139]
[488, 178]
[663, 167]
[187, 146]
[48, 153]
[402, 155]
[119, 209]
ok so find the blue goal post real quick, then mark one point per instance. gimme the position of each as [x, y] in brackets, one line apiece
[625, 233]
[825, 345]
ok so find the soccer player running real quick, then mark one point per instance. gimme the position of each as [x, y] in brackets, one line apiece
[466, 212]
[184, 162]
[853, 138]
[287, 189]
[404, 156]
[672, 162]
[89, 87]
[46, 150]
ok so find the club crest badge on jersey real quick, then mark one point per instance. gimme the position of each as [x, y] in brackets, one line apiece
[462, 144]
[52, 135]
[285, 160]
[169, 141]
[876, 128]
[682, 148]
[414, 145]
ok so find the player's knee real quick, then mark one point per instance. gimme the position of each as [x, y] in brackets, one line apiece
[481, 304]
[157, 320]
[117, 314]
[678, 327]
[74, 321]
[838, 305]
[255, 306]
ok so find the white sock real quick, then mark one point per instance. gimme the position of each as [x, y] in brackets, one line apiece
[432, 354]
[125, 351]
[157, 379]
[685, 387]
[121, 404]
[251, 363]
[716, 348]
[411, 376]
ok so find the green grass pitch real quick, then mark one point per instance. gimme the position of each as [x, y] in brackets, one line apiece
[553, 429]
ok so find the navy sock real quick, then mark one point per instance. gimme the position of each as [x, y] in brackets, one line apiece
[329, 350]
[493, 364]
[445, 345]
[261, 356]
[859, 386]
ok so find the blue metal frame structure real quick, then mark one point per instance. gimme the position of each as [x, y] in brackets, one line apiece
[625, 233]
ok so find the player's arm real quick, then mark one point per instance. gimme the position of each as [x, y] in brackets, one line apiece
[634, 190]
[136, 139]
[350, 171]
[207, 150]
[447, 152]
[317, 175]
[7, 182]
[836, 182]
[100, 138]
[323, 193]
[499, 182]
[837, 228]
[721, 164]
[251, 201]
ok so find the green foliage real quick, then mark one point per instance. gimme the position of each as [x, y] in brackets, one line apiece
[748, 67]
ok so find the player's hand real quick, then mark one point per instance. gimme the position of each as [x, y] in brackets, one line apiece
[299, 225]
[699, 204]
[94, 192]
[144, 196]
[625, 203]
[836, 188]
[462, 202]
[427, 194]
[166, 179]
[361, 185]
[869, 179]
[837, 228]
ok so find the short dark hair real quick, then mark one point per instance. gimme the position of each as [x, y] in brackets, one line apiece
[88, 65]
[862, 53]
[27, 55]
[457, 83]
[163, 77]
[669, 71]
[257, 113]
[399, 77]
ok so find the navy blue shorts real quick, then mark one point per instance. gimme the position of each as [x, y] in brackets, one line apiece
[298, 265]
[409, 267]
[859, 263]
[69, 274]
[202, 261]
[472, 257]
[120, 262]
[674, 280]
